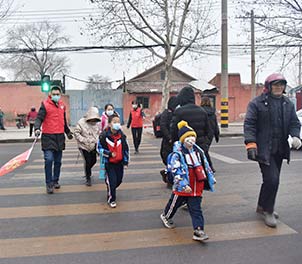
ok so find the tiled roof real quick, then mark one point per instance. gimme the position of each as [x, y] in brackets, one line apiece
[152, 87]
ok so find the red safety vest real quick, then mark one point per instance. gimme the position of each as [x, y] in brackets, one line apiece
[137, 119]
[53, 122]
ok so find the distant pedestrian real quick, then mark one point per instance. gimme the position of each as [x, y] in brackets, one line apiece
[1, 119]
[270, 119]
[109, 110]
[52, 114]
[114, 146]
[87, 134]
[214, 128]
[191, 173]
[135, 120]
[31, 118]
[167, 142]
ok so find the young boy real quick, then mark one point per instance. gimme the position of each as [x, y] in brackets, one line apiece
[191, 173]
[115, 149]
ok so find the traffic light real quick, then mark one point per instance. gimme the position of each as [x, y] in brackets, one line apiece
[45, 83]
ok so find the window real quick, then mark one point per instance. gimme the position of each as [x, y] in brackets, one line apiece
[143, 101]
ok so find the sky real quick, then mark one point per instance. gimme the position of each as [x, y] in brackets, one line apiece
[87, 64]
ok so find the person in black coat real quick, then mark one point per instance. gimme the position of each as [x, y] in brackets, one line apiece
[214, 128]
[194, 115]
[166, 143]
[270, 119]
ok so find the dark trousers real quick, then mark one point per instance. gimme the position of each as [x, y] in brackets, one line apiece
[89, 161]
[31, 126]
[52, 159]
[1, 124]
[270, 184]
[137, 136]
[194, 206]
[114, 178]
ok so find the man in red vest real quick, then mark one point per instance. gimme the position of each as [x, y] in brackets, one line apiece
[52, 117]
[136, 121]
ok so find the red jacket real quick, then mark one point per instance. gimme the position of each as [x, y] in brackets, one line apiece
[54, 120]
[136, 118]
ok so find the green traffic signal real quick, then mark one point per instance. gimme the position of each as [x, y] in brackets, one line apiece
[45, 83]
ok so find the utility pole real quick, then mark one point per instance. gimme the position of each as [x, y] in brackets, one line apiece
[224, 116]
[253, 84]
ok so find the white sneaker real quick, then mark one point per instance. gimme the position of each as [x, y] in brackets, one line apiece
[112, 204]
[168, 223]
[200, 235]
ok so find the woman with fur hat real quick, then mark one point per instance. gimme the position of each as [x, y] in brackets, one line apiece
[87, 133]
[191, 175]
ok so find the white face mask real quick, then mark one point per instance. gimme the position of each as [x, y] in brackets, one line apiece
[109, 112]
[189, 142]
[116, 126]
[134, 106]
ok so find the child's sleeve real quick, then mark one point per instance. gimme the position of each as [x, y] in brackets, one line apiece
[101, 147]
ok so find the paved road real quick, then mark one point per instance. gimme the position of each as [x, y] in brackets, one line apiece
[75, 225]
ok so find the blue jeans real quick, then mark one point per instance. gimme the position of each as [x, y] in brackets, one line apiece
[52, 157]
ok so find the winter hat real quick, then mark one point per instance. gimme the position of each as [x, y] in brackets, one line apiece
[184, 131]
[186, 96]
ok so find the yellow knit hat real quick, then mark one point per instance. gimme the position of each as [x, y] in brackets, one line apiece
[184, 131]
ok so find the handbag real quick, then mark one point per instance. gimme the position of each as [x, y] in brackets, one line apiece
[102, 174]
[199, 171]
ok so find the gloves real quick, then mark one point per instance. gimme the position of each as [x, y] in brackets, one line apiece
[37, 133]
[296, 143]
[69, 135]
[252, 151]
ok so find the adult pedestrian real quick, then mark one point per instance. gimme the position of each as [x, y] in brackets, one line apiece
[165, 123]
[109, 111]
[87, 134]
[194, 115]
[31, 118]
[270, 119]
[53, 117]
[1, 119]
[214, 128]
[135, 120]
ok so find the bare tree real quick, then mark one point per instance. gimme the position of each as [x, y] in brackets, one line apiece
[5, 7]
[32, 65]
[166, 28]
[279, 28]
[97, 82]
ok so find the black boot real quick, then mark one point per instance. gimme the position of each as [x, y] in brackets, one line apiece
[88, 181]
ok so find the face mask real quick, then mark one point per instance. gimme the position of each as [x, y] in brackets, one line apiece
[134, 106]
[189, 141]
[55, 98]
[109, 112]
[116, 126]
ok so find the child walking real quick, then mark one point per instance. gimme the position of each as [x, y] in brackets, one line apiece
[113, 144]
[191, 175]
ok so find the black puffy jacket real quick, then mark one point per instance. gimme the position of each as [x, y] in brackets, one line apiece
[196, 117]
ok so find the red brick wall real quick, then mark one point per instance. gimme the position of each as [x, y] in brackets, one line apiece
[18, 98]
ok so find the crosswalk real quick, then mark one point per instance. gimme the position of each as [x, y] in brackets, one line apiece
[27, 213]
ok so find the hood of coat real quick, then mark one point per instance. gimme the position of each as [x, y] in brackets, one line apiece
[92, 113]
[186, 96]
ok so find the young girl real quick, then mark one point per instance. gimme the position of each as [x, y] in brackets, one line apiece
[109, 110]
[191, 173]
[113, 144]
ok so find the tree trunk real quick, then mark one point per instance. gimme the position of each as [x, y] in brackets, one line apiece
[166, 85]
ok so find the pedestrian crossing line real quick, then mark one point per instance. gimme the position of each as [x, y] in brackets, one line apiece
[146, 148]
[103, 208]
[135, 239]
[80, 188]
[77, 174]
[224, 158]
[80, 164]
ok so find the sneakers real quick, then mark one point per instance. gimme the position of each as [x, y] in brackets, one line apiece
[270, 219]
[112, 204]
[200, 235]
[49, 189]
[56, 185]
[168, 223]
[260, 210]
